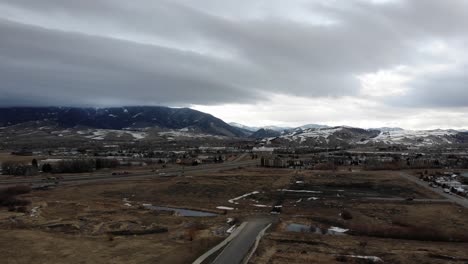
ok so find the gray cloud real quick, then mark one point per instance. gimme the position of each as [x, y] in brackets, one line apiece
[186, 52]
[79, 69]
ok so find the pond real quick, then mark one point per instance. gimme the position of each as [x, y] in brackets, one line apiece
[181, 212]
[294, 227]
[464, 174]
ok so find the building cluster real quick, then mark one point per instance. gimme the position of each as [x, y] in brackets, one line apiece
[454, 183]
[280, 162]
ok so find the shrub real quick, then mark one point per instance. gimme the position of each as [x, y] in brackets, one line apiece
[408, 232]
[75, 166]
[8, 196]
[106, 163]
[18, 169]
[16, 190]
[346, 215]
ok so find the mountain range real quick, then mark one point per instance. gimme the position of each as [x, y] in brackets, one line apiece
[118, 118]
[147, 122]
[275, 128]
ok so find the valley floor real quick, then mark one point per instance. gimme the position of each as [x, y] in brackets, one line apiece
[110, 222]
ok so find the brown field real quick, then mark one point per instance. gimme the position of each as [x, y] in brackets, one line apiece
[78, 223]
[6, 156]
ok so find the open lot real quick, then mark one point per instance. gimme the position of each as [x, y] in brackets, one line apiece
[107, 222]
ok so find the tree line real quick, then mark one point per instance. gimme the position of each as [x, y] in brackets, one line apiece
[64, 166]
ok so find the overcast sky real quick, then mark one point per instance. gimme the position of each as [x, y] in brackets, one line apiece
[367, 63]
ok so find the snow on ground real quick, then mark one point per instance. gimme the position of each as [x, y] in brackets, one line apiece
[338, 229]
[370, 258]
[395, 136]
[127, 202]
[35, 211]
[298, 191]
[231, 229]
[137, 135]
[101, 134]
[184, 132]
[315, 133]
[408, 137]
[224, 208]
[233, 201]
[137, 115]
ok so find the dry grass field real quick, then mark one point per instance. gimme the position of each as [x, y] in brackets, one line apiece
[106, 222]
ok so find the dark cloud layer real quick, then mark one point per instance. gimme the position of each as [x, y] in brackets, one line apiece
[114, 52]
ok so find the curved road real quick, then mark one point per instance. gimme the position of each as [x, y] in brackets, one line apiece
[239, 247]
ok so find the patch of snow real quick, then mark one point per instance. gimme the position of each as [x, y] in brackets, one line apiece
[299, 191]
[233, 201]
[371, 258]
[224, 208]
[231, 229]
[262, 149]
[137, 115]
[338, 229]
[186, 134]
[422, 137]
[138, 135]
[35, 211]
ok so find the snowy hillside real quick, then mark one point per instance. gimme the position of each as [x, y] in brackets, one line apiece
[356, 136]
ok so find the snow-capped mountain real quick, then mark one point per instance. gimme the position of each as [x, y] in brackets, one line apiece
[417, 137]
[280, 129]
[327, 136]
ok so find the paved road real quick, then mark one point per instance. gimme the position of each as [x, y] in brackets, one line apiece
[452, 197]
[239, 247]
[101, 177]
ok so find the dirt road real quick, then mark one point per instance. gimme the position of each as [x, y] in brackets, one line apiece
[452, 197]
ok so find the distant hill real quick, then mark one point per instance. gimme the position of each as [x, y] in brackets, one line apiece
[276, 128]
[313, 126]
[120, 118]
[350, 136]
[265, 133]
[244, 127]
